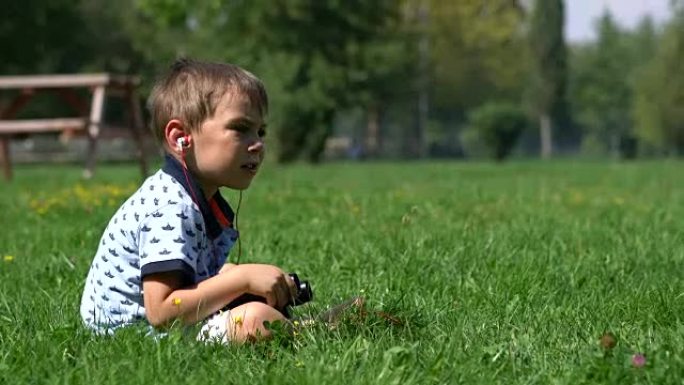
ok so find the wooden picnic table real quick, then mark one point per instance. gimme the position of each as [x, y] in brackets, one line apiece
[90, 120]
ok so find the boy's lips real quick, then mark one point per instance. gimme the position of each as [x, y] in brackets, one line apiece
[251, 167]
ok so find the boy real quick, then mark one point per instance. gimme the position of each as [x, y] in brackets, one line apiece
[161, 257]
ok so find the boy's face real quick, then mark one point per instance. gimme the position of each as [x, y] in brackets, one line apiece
[229, 147]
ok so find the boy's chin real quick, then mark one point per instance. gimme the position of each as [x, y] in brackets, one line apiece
[238, 186]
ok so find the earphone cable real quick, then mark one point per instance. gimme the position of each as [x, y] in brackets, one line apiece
[187, 180]
[237, 211]
[194, 199]
[239, 238]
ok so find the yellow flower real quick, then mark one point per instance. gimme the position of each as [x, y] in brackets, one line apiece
[238, 320]
[8, 258]
[405, 219]
[177, 301]
[296, 323]
[576, 197]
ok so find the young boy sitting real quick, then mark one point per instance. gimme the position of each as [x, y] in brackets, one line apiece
[161, 257]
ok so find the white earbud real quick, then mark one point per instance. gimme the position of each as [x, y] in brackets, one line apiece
[180, 143]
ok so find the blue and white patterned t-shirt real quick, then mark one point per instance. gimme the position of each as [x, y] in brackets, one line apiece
[160, 228]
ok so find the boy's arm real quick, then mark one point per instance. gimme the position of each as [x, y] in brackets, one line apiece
[226, 267]
[166, 299]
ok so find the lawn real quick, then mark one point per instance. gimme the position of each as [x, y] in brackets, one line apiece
[472, 273]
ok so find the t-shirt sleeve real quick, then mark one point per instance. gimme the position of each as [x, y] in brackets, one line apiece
[170, 240]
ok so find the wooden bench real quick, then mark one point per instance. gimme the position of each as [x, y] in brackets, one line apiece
[90, 121]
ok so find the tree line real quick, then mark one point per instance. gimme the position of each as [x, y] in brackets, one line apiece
[399, 78]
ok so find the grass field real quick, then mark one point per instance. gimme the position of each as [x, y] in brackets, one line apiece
[493, 274]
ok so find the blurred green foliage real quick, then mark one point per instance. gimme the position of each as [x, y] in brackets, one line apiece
[386, 74]
[659, 102]
[601, 86]
[498, 126]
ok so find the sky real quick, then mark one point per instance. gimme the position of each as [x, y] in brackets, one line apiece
[580, 14]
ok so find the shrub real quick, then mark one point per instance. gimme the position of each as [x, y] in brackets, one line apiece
[498, 126]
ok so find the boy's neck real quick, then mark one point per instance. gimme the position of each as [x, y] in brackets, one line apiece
[208, 189]
[204, 195]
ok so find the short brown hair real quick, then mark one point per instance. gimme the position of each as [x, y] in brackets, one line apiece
[190, 91]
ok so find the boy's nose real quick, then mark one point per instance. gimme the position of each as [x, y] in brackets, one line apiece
[257, 146]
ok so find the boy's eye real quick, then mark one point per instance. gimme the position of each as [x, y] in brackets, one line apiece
[246, 127]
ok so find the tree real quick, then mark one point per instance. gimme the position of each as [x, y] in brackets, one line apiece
[659, 100]
[313, 55]
[415, 141]
[461, 54]
[601, 87]
[550, 68]
[60, 36]
[41, 36]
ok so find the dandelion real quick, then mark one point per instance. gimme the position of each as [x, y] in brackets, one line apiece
[177, 301]
[8, 258]
[308, 322]
[638, 360]
[238, 320]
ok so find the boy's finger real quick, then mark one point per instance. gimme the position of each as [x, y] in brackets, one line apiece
[283, 291]
[293, 288]
[272, 299]
[282, 298]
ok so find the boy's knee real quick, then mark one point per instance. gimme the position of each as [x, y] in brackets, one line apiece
[247, 321]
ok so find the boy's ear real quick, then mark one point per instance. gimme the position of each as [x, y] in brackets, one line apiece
[175, 135]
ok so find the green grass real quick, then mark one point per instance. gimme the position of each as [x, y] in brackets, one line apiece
[498, 274]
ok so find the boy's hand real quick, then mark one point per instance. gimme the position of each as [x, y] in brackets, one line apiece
[269, 282]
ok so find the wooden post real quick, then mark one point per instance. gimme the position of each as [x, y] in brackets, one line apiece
[72, 99]
[96, 108]
[9, 112]
[5, 157]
